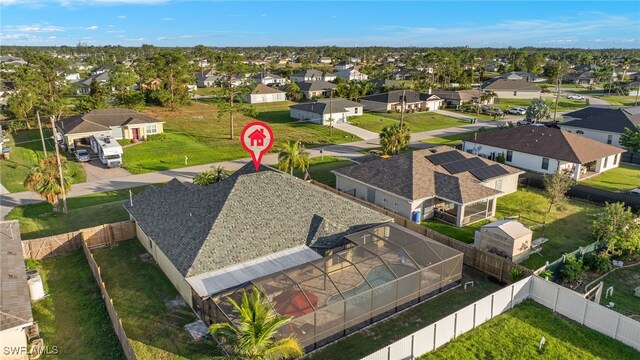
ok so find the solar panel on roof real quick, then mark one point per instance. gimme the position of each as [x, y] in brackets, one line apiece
[488, 172]
[457, 167]
[445, 157]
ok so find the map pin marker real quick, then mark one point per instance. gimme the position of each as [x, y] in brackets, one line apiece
[256, 139]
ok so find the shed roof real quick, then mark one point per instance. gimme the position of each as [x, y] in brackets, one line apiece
[15, 304]
[511, 228]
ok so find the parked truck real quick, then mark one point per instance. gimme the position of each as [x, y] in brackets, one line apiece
[107, 149]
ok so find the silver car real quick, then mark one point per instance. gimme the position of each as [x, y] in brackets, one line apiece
[83, 155]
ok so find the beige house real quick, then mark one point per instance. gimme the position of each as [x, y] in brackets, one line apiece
[265, 94]
[397, 100]
[315, 89]
[513, 88]
[507, 238]
[118, 123]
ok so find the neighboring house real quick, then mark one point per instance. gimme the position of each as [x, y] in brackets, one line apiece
[546, 150]
[12, 60]
[15, 305]
[325, 60]
[523, 75]
[633, 88]
[351, 74]
[315, 89]
[266, 78]
[311, 75]
[393, 101]
[514, 89]
[118, 123]
[6, 88]
[455, 98]
[209, 80]
[581, 78]
[441, 182]
[84, 86]
[506, 238]
[388, 84]
[100, 70]
[604, 125]
[323, 111]
[344, 65]
[264, 94]
[72, 76]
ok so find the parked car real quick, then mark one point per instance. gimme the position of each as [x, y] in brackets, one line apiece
[635, 192]
[575, 97]
[493, 111]
[517, 111]
[83, 155]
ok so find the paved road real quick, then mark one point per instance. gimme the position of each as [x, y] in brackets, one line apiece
[593, 101]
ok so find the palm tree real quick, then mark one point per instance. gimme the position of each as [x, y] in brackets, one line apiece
[45, 180]
[394, 138]
[292, 155]
[254, 336]
[208, 177]
[488, 96]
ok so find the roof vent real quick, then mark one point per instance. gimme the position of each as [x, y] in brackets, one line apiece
[433, 151]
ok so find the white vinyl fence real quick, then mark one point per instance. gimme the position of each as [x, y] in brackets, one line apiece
[558, 298]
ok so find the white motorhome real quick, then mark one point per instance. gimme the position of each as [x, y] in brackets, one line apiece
[107, 149]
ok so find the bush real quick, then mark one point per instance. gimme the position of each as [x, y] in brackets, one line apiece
[547, 274]
[571, 269]
[157, 137]
[501, 158]
[516, 274]
[598, 261]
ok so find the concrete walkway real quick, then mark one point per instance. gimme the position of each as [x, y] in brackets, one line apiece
[359, 132]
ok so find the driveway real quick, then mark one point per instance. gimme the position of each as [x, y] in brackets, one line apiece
[359, 132]
[96, 171]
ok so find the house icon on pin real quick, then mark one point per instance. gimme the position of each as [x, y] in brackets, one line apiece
[257, 137]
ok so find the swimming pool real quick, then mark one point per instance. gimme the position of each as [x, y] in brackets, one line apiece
[377, 276]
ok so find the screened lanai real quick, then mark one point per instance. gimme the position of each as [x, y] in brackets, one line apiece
[379, 271]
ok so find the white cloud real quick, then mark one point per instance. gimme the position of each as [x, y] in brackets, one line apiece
[134, 39]
[186, 36]
[17, 37]
[33, 28]
[122, 16]
[111, 26]
[92, 27]
[167, 19]
[263, 15]
[162, 38]
[115, 31]
[52, 37]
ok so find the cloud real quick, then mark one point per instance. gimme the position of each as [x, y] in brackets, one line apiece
[263, 15]
[17, 37]
[167, 19]
[92, 27]
[121, 16]
[115, 31]
[163, 38]
[33, 28]
[134, 39]
[111, 26]
[52, 37]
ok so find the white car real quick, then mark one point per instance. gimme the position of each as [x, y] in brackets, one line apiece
[517, 111]
[575, 97]
[83, 155]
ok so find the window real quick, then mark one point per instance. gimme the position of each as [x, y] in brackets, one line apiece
[509, 156]
[152, 129]
[356, 110]
[545, 163]
[609, 139]
[515, 93]
[371, 194]
[579, 132]
[606, 160]
[499, 184]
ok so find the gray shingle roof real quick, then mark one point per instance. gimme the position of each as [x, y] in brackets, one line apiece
[315, 85]
[604, 119]
[505, 84]
[394, 97]
[15, 304]
[244, 217]
[323, 106]
[264, 89]
[103, 119]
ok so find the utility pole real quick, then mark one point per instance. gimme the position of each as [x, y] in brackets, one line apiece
[637, 92]
[402, 112]
[555, 108]
[44, 147]
[64, 191]
[611, 81]
[330, 112]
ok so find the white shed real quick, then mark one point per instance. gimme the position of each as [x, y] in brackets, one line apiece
[508, 238]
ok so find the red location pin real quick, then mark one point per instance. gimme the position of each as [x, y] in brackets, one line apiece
[256, 139]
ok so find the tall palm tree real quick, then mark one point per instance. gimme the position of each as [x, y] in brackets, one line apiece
[45, 180]
[254, 336]
[293, 155]
[394, 138]
[488, 96]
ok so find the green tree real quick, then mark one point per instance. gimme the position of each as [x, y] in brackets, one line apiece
[555, 189]
[98, 98]
[231, 108]
[176, 73]
[571, 269]
[51, 83]
[538, 110]
[44, 179]
[487, 96]
[394, 138]
[122, 80]
[293, 155]
[216, 174]
[618, 227]
[293, 91]
[254, 337]
[630, 139]
[534, 62]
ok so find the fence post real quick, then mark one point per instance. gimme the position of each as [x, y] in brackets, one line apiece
[512, 288]
[491, 306]
[389, 353]
[615, 335]
[435, 327]
[584, 313]
[555, 304]
[412, 346]
[455, 325]
[474, 315]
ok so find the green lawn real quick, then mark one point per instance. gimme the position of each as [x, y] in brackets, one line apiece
[452, 140]
[624, 282]
[563, 104]
[26, 151]
[623, 178]
[196, 132]
[73, 316]
[516, 335]
[619, 100]
[465, 234]
[139, 290]
[320, 170]
[38, 220]
[417, 122]
[395, 328]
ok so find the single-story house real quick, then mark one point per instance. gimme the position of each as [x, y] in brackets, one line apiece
[633, 87]
[581, 77]
[325, 60]
[448, 184]
[393, 101]
[204, 80]
[322, 111]
[343, 65]
[602, 124]
[315, 89]
[101, 70]
[12, 60]
[6, 89]
[515, 89]
[523, 75]
[264, 94]
[311, 75]
[15, 303]
[507, 238]
[351, 74]
[546, 150]
[118, 123]
[455, 98]
[84, 86]
[267, 78]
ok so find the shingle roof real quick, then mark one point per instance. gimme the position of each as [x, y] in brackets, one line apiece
[244, 217]
[102, 120]
[547, 142]
[463, 95]
[315, 85]
[325, 106]
[393, 97]
[512, 228]
[264, 89]
[15, 304]
[413, 176]
[507, 84]
[604, 119]
[308, 73]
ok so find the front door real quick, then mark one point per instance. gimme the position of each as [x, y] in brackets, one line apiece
[134, 133]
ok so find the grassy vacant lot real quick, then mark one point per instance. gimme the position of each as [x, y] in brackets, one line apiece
[73, 316]
[139, 291]
[453, 140]
[624, 282]
[417, 122]
[563, 104]
[516, 335]
[619, 100]
[26, 151]
[38, 220]
[465, 234]
[196, 132]
[320, 170]
[395, 328]
[623, 178]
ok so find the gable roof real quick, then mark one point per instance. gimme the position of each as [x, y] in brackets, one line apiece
[463, 95]
[512, 228]
[395, 96]
[15, 303]
[103, 120]
[264, 89]
[201, 229]
[413, 176]
[308, 73]
[315, 85]
[325, 106]
[604, 119]
[510, 84]
[547, 142]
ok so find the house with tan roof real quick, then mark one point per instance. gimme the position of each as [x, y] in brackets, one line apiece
[441, 182]
[513, 88]
[546, 150]
[265, 94]
[455, 98]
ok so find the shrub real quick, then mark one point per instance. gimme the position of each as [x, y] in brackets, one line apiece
[157, 137]
[547, 274]
[571, 269]
[516, 274]
[598, 261]
[501, 158]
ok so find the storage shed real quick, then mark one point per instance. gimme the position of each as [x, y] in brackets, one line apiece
[507, 238]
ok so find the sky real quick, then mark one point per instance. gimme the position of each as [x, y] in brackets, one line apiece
[571, 24]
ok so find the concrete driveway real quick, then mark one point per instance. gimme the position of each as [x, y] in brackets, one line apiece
[96, 171]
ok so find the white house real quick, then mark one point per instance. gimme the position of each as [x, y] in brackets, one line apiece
[351, 74]
[545, 150]
[266, 78]
[325, 111]
[311, 75]
[604, 125]
[397, 100]
[513, 89]
[265, 94]
[343, 65]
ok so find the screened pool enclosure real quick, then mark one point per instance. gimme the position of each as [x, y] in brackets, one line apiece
[376, 273]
